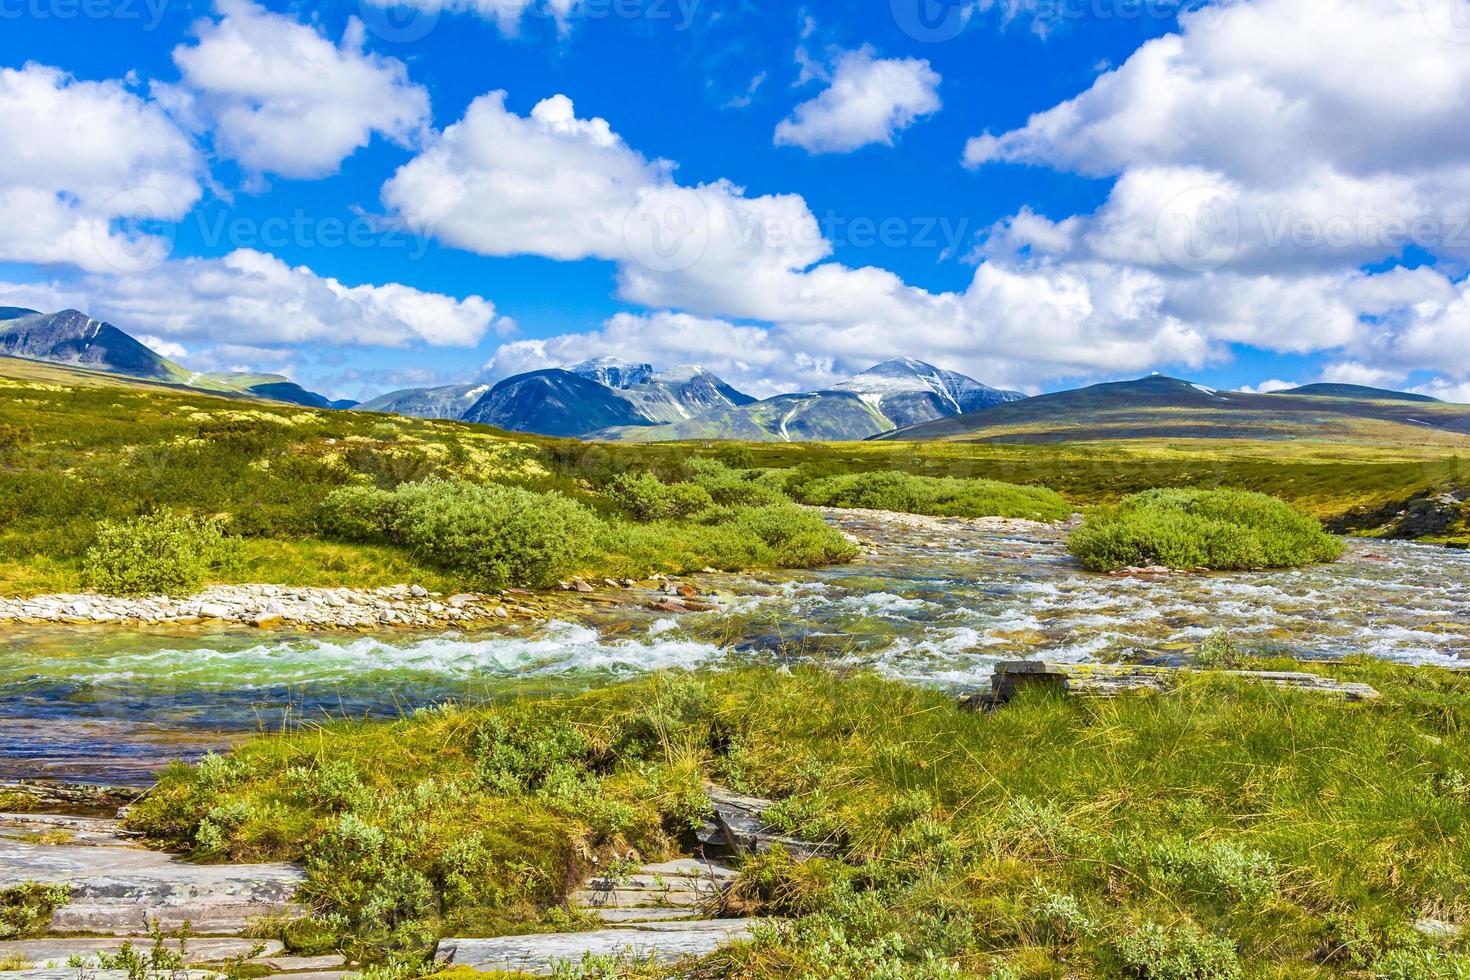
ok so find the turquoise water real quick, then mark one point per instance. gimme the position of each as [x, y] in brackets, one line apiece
[931, 604]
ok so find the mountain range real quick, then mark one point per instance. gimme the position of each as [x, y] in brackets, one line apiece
[615, 400]
[886, 396]
[902, 399]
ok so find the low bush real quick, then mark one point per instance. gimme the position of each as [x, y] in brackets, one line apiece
[1216, 529]
[157, 554]
[729, 538]
[937, 496]
[735, 488]
[650, 499]
[1422, 964]
[1151, 952]
[493, 535]
[445, 821]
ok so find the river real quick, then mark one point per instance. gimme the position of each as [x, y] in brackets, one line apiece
[931, 601]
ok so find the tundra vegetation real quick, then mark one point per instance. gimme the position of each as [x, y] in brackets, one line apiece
[1221, 830]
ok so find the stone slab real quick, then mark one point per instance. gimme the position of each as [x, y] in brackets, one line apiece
[56, 952]
[617, 916]
[78, 830]
[1110, 680]
[121, 890]
[539, 955]
[302, 964]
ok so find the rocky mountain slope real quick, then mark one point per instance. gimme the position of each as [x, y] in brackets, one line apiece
[280, 388]
[553, 403]
[444, 402]
[71, 337]
[884, 397]
[679, 393]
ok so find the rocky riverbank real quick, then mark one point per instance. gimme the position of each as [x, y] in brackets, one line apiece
[395, 607]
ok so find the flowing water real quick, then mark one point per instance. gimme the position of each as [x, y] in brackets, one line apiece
[934, 602]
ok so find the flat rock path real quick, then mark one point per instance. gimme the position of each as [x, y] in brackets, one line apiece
[654, 913]
[119, 888]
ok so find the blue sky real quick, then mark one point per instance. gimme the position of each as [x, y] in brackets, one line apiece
[1038, 194]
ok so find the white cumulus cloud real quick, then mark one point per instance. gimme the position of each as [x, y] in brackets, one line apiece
[250, 298]
[88, 171]
[867, 100]
[281, 98]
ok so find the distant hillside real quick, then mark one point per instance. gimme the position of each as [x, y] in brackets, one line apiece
[1161, 407]
[880, 399]
[1357, 391]
[553, 403]
[445, 402]
[279, 388]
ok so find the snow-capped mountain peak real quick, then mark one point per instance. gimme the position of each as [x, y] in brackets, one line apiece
[613, 372]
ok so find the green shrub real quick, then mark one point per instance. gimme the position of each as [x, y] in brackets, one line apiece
[1208, 869]
[157, 554]
[12, 436]
[359, 514]
[735, 456]
[1060, 918]
[783, 536]
[1422, 964]
[494, 535]
[735, 488]
[937, 496]
[1151, 952]
[1217, 529]
[26, 909]
[650, 499]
